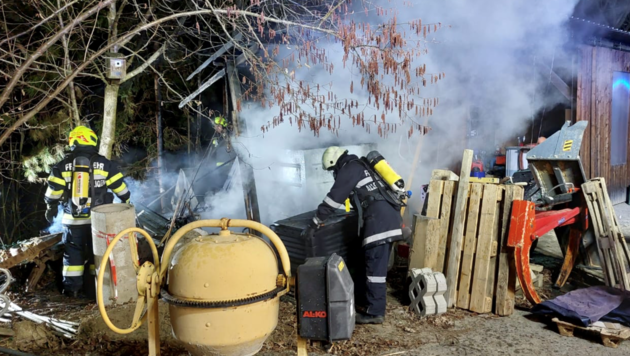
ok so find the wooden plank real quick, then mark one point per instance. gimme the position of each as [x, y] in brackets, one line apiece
[459, 215]
[436, 188]
[506, 275]
[620, 248]
[589, 190]
[445, 223]
[608, 219]
[425, 243]
[470, 245]
[443, 174]
[488, 180]
[492, 269]
[416, 254]
[484, 246]
[7, 332]
[584, 89]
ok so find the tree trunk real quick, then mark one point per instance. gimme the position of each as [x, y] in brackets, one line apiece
[108, 135]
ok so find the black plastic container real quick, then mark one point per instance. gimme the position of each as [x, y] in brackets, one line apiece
[338, 235]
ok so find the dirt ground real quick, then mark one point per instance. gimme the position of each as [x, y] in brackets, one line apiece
[457, 332]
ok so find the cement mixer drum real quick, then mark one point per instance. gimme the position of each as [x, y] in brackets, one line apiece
[223, 294]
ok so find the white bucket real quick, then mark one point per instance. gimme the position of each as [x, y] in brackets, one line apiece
[119, 282]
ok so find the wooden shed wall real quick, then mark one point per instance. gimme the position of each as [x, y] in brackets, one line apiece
[594, 102]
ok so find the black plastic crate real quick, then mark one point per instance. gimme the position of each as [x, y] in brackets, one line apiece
[338, 235]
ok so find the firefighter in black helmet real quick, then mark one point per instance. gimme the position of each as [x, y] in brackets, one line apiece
[80, 182]
[380, 225]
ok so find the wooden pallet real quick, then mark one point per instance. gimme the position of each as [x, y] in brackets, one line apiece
[482, 264]
[487, 278]
[614, 256]
[611, 334]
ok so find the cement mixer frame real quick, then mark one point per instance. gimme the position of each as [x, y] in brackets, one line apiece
[151, 276]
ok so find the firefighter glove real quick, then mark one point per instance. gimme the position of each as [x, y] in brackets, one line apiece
[51, 212]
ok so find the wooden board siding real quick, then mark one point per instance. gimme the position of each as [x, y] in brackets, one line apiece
[583, 106]
[594, 105]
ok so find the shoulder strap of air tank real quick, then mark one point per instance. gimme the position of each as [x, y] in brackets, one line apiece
[382, 187]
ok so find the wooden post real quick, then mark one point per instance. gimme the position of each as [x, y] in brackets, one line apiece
[454, 256]
[247, 173]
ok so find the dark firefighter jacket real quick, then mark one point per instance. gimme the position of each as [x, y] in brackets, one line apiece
[106, 174]
[381, 220]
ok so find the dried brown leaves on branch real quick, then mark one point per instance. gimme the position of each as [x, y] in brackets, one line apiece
[385, 55]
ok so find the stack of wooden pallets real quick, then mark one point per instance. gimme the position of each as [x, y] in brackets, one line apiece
[463, 235]
[613, 251]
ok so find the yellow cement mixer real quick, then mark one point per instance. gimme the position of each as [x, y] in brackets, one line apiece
[223, 290]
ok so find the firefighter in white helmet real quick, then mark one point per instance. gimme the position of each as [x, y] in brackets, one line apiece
[379, 225]
[80, 182]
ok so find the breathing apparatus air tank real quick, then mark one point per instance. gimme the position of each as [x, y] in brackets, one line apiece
[385, 171]
[81, 187]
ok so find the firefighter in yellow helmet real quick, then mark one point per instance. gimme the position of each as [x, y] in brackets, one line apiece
[79, 183]
[221, 155]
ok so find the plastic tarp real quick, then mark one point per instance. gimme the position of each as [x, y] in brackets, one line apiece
[588, 305]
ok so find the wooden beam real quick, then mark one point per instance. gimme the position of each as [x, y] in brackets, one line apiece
[240, 127]
[220, 74]
[506, 277]
[459, 217]
[443, 174]
[216, 55]
[556, 81]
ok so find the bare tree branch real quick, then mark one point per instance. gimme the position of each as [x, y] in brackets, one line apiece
[44, 47]
[39, 24]
[146, 64]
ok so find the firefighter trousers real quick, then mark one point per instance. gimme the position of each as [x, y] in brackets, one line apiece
[371, 281]
[78, 259]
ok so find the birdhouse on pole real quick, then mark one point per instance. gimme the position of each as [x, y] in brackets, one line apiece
[117, 66]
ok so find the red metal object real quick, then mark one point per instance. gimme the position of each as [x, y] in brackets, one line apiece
[527, 225]
[500, 160]
[403, 250]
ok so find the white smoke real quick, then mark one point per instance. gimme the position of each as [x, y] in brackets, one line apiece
[487, 48]
[56, 225]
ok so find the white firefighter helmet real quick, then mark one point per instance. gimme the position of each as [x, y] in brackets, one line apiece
[331, 156]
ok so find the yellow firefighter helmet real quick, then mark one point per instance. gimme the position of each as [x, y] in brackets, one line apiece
[82, 135]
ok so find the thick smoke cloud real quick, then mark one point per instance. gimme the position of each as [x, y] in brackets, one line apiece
[487, 48]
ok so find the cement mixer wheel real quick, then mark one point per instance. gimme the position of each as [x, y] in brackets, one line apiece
[167, 297]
